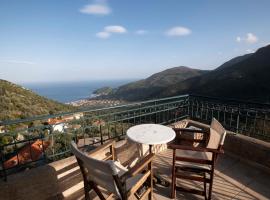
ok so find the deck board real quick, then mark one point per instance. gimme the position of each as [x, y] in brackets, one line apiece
[234, 179]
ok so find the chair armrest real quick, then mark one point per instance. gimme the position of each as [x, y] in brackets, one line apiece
[191, 148]
[189, 130]
[190, 140]
[138, 167]
[110, 143]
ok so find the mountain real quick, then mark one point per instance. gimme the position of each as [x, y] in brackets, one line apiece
[153, 85]
[19, 102]
[245, 77]
[103, 91]
[234, 61]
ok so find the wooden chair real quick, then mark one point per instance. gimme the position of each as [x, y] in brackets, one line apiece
[197, 163]
[109, 174]
[128, 153]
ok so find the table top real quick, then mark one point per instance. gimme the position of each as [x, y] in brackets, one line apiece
[151, 134]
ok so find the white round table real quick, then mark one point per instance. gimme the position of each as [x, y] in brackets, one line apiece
[151, 134]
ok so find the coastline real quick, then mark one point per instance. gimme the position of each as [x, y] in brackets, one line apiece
[68, 92]
[93, 102]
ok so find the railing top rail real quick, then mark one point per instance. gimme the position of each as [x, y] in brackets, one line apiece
[231, 100]
[44, 117]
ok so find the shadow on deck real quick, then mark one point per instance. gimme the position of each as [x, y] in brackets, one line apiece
[234, 179]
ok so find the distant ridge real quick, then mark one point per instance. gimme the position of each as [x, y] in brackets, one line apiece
[153, 85]
[244, 77]
[19, 102]
[234, 61]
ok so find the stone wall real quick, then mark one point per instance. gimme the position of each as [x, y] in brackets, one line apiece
[58, 180]
[249, 149]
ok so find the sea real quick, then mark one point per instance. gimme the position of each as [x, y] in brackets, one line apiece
[66, 92]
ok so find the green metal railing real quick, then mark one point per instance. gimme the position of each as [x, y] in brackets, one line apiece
[90, 127]
[248, 118]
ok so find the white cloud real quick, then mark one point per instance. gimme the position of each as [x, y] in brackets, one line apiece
[141, 32]
[109, 30]
[250, 38]
[103, 35]
[115, 29]
[178, 31]
[98, 8]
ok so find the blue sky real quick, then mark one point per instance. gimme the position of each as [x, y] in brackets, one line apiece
[78, 40]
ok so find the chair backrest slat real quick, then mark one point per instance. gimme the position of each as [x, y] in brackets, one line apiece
[100, 172]
[217, 135]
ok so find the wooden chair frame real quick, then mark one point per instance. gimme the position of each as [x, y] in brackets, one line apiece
[144, 167]
[201, 171]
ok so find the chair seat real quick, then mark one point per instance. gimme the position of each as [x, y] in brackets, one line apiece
[193, 166]
[194, 154]
[130, 182]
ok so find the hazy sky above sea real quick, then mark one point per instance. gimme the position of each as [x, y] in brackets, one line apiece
[76, 40]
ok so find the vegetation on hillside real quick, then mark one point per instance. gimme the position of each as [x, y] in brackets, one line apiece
[245, 77]
[153, 85]
[19, 102]
[103, 91]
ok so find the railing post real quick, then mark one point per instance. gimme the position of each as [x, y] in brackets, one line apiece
[52, 137]
[122, 127]
[192, 110]
[264, 123]
[101, 135]
[155, 112]
[237, 124]
[188, 104]
[2, 163]
[42, 143]
[238, 119]
[140, 113]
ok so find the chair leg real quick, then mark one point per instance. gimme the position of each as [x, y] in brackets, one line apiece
[87, 189]
[211, 184]
[124, 197]
[150, 179]
[150, 195]
[173, 177]
[205, 187]
[98, 192]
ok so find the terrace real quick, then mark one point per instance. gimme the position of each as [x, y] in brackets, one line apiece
[48, 171]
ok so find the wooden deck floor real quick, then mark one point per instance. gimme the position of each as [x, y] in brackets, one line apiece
[234, 179]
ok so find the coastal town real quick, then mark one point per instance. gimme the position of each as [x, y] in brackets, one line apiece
[95, 102]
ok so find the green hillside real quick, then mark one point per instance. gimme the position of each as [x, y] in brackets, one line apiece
[153, 85]
[103, 91]
[19, 102]
[246, 79]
